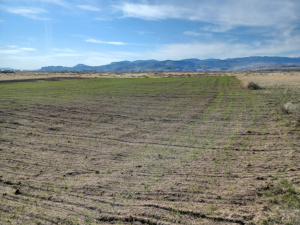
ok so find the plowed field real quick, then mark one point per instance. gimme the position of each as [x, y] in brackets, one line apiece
[194, 150]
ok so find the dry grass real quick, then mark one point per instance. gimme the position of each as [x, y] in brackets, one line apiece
[291, 108]
[33, 75]
[271, 79]
[265, 79]
[282, 87]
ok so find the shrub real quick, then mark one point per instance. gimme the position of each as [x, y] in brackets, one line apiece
[253, 86]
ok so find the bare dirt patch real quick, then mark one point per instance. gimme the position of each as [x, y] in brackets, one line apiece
[198, 150]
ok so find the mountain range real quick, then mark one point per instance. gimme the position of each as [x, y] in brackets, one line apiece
[5, 69]
[234, 64]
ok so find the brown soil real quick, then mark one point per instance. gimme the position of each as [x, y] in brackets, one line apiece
[166, 158]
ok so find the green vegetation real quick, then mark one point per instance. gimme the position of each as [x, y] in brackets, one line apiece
[82, 89]
[151, 151]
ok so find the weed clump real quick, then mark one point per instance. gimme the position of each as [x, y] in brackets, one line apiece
[253, 86]
[291, 108]
[294, 109]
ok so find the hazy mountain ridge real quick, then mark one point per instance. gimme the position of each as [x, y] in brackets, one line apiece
[6, 68]
[233, 64]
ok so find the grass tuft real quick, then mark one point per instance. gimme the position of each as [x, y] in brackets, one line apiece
[291, 108]
[294, 109]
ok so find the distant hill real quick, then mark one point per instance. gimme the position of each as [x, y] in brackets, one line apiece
[234, 64]
[4, 69]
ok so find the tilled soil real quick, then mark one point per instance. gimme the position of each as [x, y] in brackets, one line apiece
[199, 150]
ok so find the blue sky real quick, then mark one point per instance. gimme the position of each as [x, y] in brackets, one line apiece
[36, 33]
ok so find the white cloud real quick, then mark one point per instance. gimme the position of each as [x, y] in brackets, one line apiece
[196, 34]
[224, 50]
[144, 32]
[102, 19]
[192, 33]
[27, 49]
[33, 13]
[88, 7]
[9, 51]
[57, 2]
[225, 14]
[187, 50]
[105, 42]
[217, 28]
[16, 50]
[150, 12]
[63, 50]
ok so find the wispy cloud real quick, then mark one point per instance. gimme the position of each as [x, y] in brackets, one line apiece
[192, 33]
[224, 50]
[63, 50]
[105, 42]
[32, 13]
[27, 49]
[225, 14]
[150, 12]
[218, 28]
[9, 51]
[57, 2]
[88, 7]
[101, 19]
[144, 32]
[16, 50]
[196, 34]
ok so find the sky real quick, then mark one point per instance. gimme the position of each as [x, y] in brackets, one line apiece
[37, 33]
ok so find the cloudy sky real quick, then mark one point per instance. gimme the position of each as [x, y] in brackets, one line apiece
[36, 33]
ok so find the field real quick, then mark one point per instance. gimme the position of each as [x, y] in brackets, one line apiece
[187, 149]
